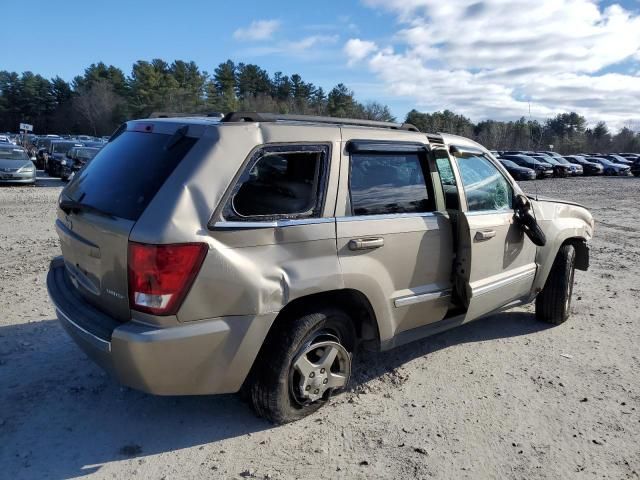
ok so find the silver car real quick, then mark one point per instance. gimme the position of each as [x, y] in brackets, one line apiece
[259, 252]
[16, 165]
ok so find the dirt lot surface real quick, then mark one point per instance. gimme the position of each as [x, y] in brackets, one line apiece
[503, 397]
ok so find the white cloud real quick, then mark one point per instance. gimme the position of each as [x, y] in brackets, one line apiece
[491, 58]
[310, 42]
[258, 30]
[357, 49]
[296, 48]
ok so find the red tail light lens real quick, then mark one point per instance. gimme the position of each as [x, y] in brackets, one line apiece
[160, 276]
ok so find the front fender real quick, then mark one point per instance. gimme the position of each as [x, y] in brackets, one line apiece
[561, 222]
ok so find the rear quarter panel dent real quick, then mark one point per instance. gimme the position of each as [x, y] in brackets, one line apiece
[261, 279]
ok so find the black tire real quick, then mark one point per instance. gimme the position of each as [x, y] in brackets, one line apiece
[553, 304]
[271, 380]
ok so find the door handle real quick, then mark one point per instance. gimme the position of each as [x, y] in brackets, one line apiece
[366, 243]
[481, 236]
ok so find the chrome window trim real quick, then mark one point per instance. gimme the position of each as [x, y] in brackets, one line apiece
[237, 225]
[503, 282]
[422, 297]
[473, 213]
[387, 216]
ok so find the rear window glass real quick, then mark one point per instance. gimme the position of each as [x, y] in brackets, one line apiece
[127, 173]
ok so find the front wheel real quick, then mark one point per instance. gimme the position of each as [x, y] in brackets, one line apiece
[301, 364]
[553, 304]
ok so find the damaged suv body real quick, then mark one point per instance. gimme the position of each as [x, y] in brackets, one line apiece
[202, 257]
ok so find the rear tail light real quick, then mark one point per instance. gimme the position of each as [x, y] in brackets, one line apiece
[160, 276]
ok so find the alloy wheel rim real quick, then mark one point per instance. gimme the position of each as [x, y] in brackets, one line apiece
[322, 365]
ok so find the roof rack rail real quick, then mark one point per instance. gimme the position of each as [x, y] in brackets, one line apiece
[435, 138]
[233, 117]
[184, 114]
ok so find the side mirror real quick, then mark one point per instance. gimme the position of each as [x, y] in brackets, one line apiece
[522, 203]
[526, 219]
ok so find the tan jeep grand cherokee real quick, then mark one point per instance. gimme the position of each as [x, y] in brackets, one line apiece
[259, 252]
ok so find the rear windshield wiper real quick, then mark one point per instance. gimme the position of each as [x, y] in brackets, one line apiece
[176, 137]
[69, 206]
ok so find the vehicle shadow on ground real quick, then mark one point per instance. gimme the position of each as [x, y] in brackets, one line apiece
[63, 418]
[371, 365]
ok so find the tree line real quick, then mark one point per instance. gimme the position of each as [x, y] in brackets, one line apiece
[103, 97]
[566, 133]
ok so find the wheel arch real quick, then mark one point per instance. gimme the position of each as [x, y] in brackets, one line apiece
[546, 262]
[353, 302]
[582, 251]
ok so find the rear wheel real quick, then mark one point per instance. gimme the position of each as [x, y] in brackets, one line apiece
[301, 364]
[553, 304]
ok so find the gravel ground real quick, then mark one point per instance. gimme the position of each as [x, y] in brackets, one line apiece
[503, 397]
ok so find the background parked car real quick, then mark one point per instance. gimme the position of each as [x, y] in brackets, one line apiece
[43, 145]
[611, 168]
[559, 170]
[635, 168]
[576, 167]
[542, 169]
[588, 168]
[516, 171]
[618, 159]
[549, 154]
[57, 153]
[16, 165]
[76, 158]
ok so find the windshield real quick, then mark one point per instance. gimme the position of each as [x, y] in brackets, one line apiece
[86, 153]
[550, 160]
[13, 154]
[530, 160]
[63, 147]
[508, 163]
[93, 144]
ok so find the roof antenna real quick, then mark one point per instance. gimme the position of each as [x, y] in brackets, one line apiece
[535, 181]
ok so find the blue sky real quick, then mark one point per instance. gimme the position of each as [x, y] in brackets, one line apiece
[482, 58]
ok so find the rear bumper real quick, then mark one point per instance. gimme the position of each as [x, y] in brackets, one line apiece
[204, 357]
